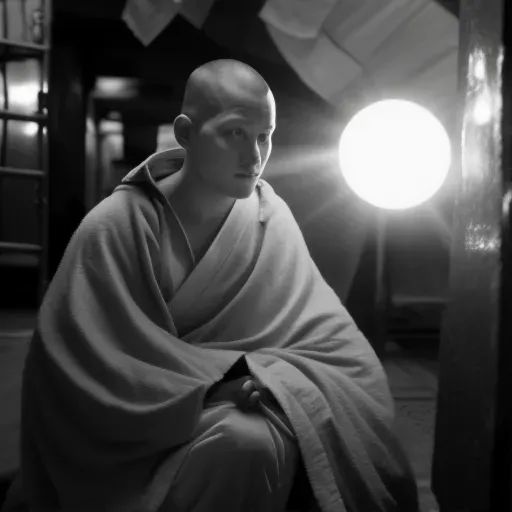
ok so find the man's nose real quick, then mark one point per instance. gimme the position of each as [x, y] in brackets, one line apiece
[253, 154]
[256, 153]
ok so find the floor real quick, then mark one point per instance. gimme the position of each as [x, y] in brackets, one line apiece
[412, 377]
[413, 381]
[15, 331]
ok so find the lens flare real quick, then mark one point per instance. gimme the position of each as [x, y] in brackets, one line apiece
[395, 154]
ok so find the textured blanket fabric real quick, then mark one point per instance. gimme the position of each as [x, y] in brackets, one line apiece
[124, 354]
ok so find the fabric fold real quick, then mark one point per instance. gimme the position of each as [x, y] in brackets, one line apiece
[148, 18]
[297, 18]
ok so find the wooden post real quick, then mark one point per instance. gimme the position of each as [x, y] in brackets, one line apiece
[69, 87]
[473, 450]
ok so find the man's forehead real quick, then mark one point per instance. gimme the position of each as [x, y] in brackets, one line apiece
[247, 114]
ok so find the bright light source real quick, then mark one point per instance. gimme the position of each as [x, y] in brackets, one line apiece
[22, 95]
[30, 129]
[110, 86]
[479, 69]
[107, 126]
[482, 109]
[395, 154]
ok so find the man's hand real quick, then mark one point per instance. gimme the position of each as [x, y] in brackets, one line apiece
[247, 395]
[250, 395]
[242, 391]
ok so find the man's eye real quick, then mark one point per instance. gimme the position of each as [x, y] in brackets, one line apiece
[263, 137]
[237, 132]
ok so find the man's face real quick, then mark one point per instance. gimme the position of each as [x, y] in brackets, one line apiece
[231, 149]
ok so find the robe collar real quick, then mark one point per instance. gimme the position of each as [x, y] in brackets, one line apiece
[157, 166]
[164, 163]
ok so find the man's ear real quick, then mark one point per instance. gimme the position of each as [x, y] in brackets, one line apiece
[183, 130]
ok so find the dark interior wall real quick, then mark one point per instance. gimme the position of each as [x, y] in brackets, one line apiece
[140, 139]
[418, 246]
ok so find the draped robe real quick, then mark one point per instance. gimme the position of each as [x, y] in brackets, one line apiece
[127, 346]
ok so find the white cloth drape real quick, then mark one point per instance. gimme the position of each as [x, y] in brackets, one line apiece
[345, 50]
[390, 48]
[148, 18]
[297, 18]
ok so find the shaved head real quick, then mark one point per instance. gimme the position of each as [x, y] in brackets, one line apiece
[222, 84]
[225, 126]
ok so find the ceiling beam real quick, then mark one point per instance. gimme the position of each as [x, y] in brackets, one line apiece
[108, 9]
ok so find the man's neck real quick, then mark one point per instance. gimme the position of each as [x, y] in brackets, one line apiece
[195, 203]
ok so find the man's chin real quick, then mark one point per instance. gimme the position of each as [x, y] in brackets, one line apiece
[241, 189]
[241, 195]
[237, 189]
[245, 192]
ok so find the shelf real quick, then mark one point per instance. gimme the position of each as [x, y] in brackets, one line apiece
[35, 118]
[21, 173]
[21, 49]
[20, 260]
[20, 247]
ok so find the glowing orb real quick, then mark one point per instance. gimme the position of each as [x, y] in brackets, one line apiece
[395, 154]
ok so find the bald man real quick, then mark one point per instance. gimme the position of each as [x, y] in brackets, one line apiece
[189, 357]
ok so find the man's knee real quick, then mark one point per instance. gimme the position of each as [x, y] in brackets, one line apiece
[247, 435]
[242, 452]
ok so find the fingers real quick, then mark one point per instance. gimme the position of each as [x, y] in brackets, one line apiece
[254, 398]
[249, 387]
[249, 395]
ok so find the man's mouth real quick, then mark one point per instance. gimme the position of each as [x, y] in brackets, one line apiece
[248, 174]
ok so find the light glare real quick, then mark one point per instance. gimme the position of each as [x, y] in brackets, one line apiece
[395, 154]
[30, 129]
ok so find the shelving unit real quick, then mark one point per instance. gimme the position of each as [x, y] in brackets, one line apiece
[36, 47]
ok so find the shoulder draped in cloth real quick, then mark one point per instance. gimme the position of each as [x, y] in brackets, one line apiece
[123, 356]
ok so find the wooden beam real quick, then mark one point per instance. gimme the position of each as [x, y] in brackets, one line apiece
[110, 9]
[472, 465]
[67, 106]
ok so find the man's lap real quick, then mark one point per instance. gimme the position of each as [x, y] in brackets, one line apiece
[236, 459]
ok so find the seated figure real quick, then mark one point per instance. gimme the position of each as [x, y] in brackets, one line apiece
[189, 356]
